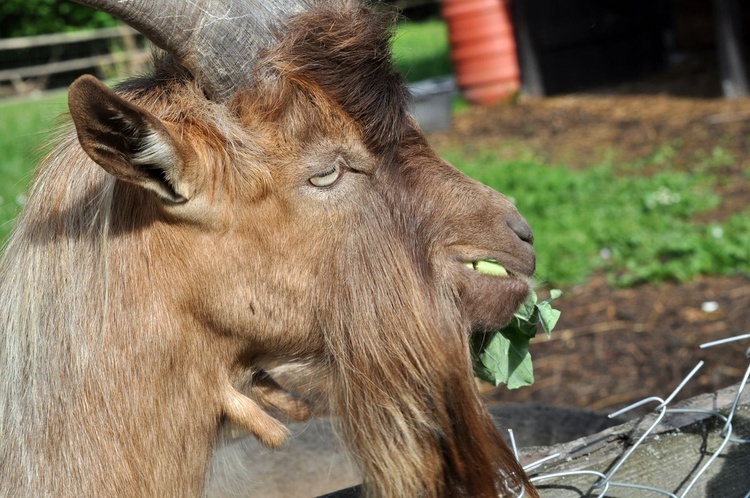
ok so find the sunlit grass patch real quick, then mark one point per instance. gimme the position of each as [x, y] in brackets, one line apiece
[636, 228]
[25, 126]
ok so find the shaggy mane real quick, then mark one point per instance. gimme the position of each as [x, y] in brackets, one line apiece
[346, 52]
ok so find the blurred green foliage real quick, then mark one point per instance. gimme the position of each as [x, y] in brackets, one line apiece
[36, 17]
[421, 49]
[637, 227]
[25, 126]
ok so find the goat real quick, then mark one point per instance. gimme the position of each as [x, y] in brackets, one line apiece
[261, 198]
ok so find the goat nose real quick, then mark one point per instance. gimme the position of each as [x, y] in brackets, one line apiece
[522, 229]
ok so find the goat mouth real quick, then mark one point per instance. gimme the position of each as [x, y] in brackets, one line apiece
[489, 267]
[491, 293]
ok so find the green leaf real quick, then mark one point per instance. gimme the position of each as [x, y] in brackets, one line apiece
[545, 314]
[505, 359]
[502, 357]
[548, 318]
[526, 311]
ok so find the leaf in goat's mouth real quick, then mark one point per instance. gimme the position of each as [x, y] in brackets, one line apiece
[488, 267]
[502, 357]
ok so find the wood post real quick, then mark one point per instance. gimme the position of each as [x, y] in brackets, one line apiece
[729, 44]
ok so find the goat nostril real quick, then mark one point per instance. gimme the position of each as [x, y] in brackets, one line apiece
[523, 230]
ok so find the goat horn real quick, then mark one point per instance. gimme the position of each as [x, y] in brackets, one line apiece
[216, 40]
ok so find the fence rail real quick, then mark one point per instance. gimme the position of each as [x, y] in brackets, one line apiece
[63, 38]
[131, 53]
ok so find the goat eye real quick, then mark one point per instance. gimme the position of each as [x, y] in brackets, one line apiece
[329, 176]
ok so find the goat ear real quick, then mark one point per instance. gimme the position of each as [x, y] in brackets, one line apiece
[127, 141]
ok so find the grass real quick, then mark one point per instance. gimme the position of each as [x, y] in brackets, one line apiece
[24, 127]
[420, 50]
[636, 228]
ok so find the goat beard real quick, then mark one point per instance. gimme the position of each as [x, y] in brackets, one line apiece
[403, 385]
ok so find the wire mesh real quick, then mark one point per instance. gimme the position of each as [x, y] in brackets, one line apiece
[602, 483]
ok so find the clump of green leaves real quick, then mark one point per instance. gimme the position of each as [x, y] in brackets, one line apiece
[502, 357]
[632, 225]
[35, 17]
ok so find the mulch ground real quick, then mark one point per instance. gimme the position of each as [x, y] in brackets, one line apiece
[614, 346]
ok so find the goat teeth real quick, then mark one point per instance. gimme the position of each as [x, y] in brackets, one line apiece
[491, 268]
[469, 265]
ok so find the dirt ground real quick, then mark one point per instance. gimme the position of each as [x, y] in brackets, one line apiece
[615, 346]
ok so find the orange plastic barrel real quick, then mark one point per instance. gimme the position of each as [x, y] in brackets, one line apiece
[483, 49]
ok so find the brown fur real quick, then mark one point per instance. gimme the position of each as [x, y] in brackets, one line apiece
[137, 295]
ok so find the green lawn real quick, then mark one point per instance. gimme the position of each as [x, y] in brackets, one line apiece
[24, 128]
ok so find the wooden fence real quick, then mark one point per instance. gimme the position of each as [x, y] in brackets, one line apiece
[127, 51]
[115, 51]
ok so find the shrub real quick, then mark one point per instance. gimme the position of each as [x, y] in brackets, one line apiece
[36, 17]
